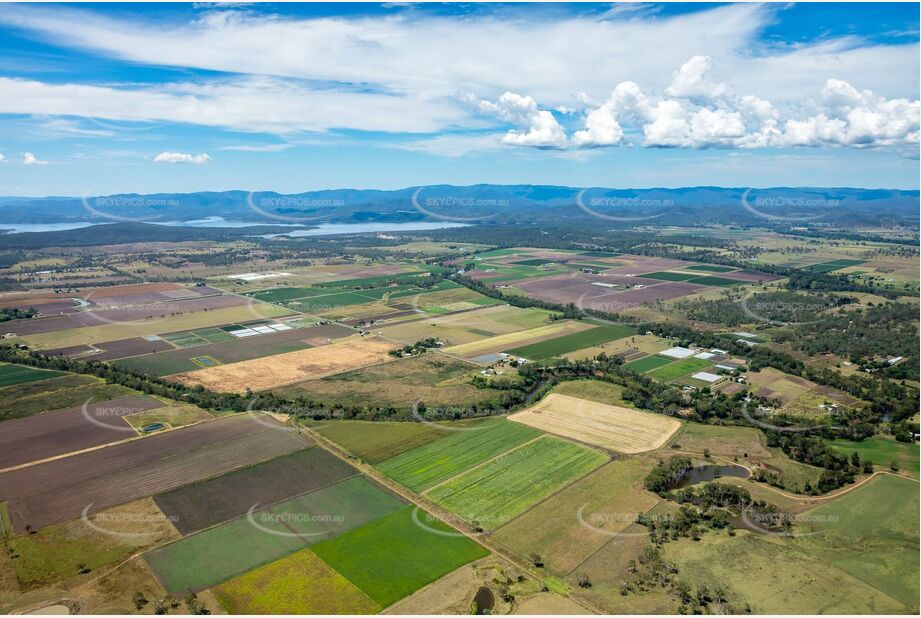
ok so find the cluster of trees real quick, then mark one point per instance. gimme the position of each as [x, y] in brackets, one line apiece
[712, 506]
[651, 571]
[777, 306]
[830, 282]
[163, 605]
[665, 475]
[811, 449]
[12, 313]
[420, 347]
[889, 401]
[866, 336]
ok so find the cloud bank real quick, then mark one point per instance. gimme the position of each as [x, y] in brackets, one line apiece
[628, 78]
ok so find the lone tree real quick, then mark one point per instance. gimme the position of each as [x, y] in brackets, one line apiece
[584, 581]
[139, 600]
[537, 561]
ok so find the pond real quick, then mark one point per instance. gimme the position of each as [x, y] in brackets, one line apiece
[705, 474]
[484, 600]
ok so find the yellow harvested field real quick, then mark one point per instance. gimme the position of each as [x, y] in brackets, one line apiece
[517, 339]
[264, 373]
[613, 427]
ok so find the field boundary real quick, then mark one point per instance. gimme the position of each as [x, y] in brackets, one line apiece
[482, 463]
[138, 436]
[442, 514]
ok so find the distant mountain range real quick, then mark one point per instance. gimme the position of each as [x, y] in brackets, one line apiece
[486, 204]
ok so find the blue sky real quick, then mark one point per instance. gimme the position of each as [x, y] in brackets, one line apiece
[161, 98]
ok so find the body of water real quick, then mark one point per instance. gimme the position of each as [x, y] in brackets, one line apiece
[321, 229]
[705, 474]
[16, 228]
[325, 229]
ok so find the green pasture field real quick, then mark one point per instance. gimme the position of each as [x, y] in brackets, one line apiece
[392, 557]
[532, 262]
[570, 343]
[11, 375]
[318, 304]
[377, 441]
[679, 368]
[508, 485]
[609, 567]
[881, 451]
[512, 273]
[316, 298]
[6, 525]
[217, 554]
[827, 267]
[298, 584]
[648, 363]
[499, 253]
[775, 576]
[872, 533]
[711, 269]
[213, 335]
[599, 254]
[64, 392]
[669, 276]
[794, 473]
[175, 415]
[608, 500]
[52, 554]
[363, 281]
[723, 441]
[717, 281]
[597, 265]
[281, 294]
[194, 338]
[184, 340]
[432, 378]
[438, 461]
[594, 390]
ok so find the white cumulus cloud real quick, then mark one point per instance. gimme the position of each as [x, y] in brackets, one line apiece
[535, 127]
[30, 159]
[182, 157]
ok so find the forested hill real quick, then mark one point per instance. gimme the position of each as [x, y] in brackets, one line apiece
[495, 203]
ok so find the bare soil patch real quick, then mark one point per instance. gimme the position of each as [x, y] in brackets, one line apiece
[265, 373]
